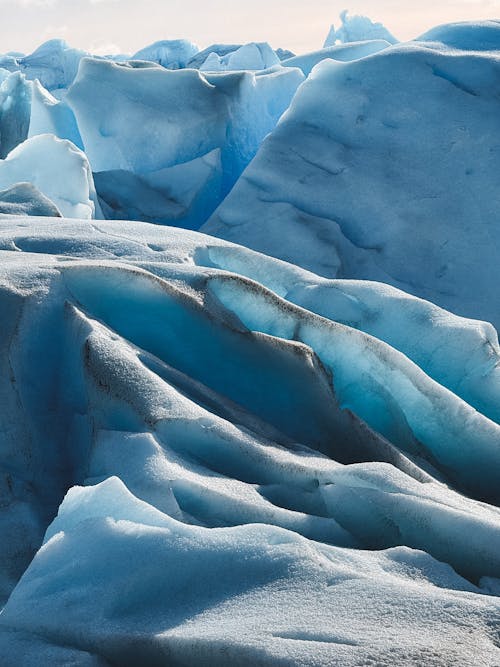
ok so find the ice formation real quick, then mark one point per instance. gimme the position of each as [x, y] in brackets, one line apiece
[357, 28]
[15, 111]
[54, 64]
[392, 195]
[162, 361]
[247, 57]
[144, 121]
[172, 54]
[209, 455]
[342, 52]
[58, 169]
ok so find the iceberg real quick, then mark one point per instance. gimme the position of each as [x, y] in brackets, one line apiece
[466, 36]
[215, 456]
[171, 400]
[220, 49]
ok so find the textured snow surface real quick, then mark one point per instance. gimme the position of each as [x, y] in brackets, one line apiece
[256, 465]
[386, 168]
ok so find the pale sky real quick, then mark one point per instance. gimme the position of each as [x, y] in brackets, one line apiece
[103, 26]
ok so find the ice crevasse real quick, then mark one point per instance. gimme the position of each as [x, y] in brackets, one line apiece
[177, 407]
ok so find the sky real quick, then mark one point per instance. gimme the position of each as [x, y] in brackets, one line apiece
[125, 26]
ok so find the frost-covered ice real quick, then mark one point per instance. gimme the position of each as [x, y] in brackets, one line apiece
[25, 200]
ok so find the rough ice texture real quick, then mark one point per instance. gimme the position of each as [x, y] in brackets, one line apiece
[384, 168]
[231, 413]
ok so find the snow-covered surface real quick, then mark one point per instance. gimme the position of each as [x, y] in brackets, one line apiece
[385, 168]
[24, 199]
[221, 425]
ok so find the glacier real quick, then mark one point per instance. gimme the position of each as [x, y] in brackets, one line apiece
[190, 385]
[249, 360]
[392, 150]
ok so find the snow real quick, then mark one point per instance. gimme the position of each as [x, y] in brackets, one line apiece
[394, 195]
[58, 169]
[145, 592]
